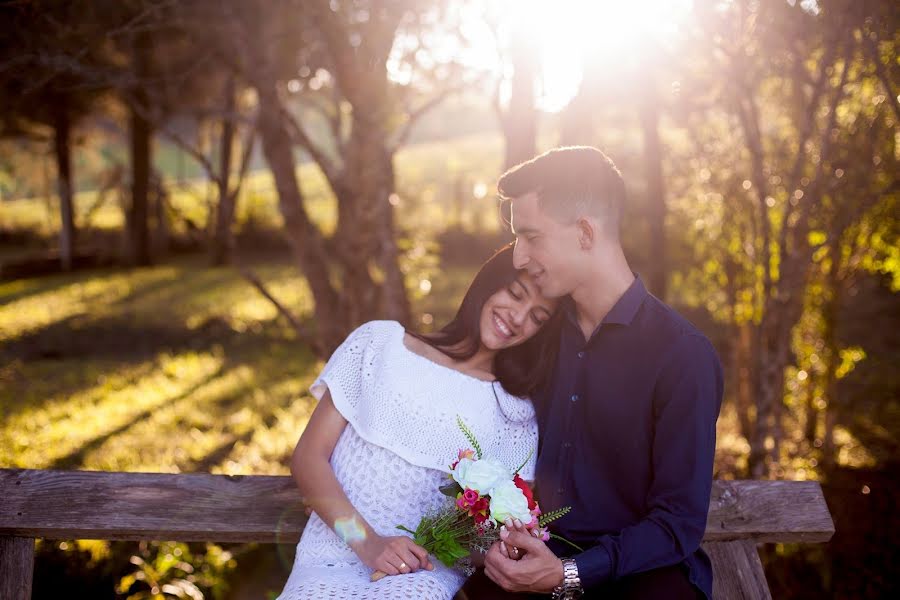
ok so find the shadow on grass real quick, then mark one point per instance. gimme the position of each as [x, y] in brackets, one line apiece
[74, 459]
[116, 342]
[49, 283]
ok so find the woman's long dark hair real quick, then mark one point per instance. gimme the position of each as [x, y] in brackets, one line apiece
[521, 370]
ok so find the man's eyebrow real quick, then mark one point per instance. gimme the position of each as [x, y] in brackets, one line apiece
[518, 230]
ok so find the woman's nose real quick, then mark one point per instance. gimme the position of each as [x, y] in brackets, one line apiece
[518, 315]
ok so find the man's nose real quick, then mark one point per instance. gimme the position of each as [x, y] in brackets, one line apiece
[520, 258]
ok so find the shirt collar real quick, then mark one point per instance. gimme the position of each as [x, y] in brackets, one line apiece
[622, 312]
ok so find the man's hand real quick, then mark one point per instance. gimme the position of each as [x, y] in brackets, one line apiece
[539, 570]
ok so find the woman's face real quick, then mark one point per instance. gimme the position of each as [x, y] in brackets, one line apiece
[514, 313]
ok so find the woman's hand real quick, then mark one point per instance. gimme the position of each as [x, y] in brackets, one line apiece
[392, 555]
[511, 552]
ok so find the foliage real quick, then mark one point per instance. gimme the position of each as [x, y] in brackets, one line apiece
[172, 570]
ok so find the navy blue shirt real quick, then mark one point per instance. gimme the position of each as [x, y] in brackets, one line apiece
[628, 434]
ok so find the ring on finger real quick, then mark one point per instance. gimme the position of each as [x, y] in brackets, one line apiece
[403, 566]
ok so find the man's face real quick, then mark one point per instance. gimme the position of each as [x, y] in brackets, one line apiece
[547, 249]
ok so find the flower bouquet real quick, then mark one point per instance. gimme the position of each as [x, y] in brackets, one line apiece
[484, 494]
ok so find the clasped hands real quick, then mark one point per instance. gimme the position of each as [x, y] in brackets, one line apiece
[520, 562]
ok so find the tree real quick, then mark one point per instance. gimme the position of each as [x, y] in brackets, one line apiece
[38, 94]
[336, 59]
[518, 120]
[786, 89]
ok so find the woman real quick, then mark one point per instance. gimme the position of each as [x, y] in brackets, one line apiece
[380, 442]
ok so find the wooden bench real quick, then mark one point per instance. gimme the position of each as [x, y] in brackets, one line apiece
[218, 508]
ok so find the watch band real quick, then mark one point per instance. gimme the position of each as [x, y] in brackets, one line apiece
[571, 584]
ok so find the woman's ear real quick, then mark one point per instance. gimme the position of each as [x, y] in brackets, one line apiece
[586, 233]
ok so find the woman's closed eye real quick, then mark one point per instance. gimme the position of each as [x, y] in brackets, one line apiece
[537, 319]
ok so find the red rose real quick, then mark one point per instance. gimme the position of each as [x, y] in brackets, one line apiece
[480, 510]
[529, 495]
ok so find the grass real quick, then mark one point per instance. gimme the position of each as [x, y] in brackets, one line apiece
[171, 368]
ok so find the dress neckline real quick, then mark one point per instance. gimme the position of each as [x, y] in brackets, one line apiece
[409, 350]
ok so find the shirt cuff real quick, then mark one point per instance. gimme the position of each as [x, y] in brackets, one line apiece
[594, 567]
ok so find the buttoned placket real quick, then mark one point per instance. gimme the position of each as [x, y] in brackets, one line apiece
[573, 408]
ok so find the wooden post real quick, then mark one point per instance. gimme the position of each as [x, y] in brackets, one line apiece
[16, 567]
[737, 571]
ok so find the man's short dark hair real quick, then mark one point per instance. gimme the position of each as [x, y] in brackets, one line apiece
[570, 182]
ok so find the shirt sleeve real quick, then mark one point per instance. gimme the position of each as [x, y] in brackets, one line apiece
[686, 404]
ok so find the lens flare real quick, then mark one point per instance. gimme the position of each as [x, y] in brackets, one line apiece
[350, 529]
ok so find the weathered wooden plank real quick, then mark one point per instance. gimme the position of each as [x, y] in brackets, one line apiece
[203, 507]
[146, 506]
[737, 571]
[768, 511]
[16, 567]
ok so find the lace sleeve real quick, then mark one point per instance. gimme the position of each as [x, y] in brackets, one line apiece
[349, 368]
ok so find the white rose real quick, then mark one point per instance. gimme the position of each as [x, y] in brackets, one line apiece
[508, 501]
[479, 475]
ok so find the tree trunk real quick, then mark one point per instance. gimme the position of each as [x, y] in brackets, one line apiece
[759, 468]
[520, 121]
[160, 216]
[577, 118]
[223, 241]
[62, 148]
[395, 300]
[365, 240]
[832, 351]
[306, 242]
[141, 151]
[653, 173]
[742, 379]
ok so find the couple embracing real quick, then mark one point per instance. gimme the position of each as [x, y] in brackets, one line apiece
[557, 358]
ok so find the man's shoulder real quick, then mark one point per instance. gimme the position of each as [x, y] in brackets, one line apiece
[670, 325]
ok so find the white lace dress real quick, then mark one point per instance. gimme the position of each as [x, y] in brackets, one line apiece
[395, 452]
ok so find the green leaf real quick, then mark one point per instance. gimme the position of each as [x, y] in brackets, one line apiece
[469, 436]
[448, 550]
[527, 458]
[451, 489]
[553, 515]
[562, 539]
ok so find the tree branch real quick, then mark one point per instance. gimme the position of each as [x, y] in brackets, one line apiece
[411, 119]
[300, 137]
[256, 282]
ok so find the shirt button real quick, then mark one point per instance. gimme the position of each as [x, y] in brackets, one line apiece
[560, 491]
[581, 354]
[567, 445]
[574, 398]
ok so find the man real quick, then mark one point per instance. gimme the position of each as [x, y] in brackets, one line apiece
[627, 423]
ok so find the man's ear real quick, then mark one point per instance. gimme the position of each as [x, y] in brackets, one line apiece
[587, 233]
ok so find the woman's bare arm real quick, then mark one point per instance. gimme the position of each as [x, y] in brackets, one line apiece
[311, 470]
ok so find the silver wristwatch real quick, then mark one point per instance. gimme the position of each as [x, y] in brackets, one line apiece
[570, 588]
